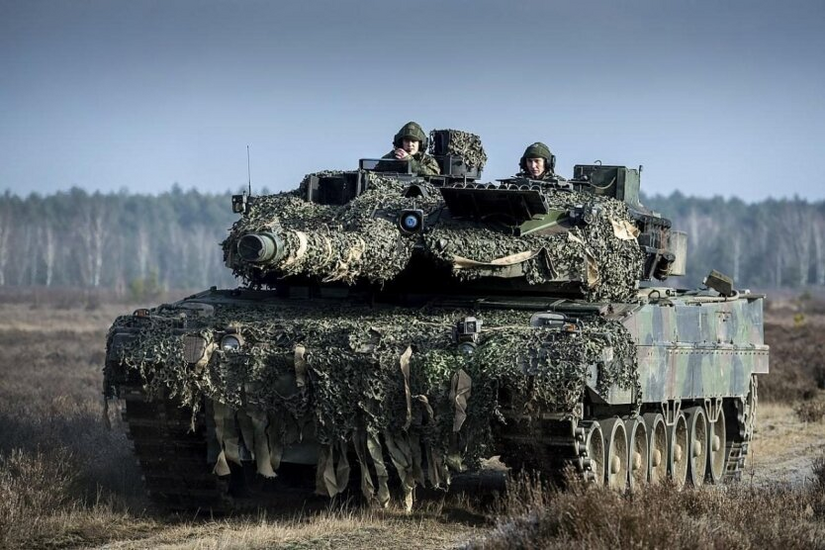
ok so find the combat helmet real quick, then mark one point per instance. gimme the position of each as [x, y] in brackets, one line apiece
[538, 150]
[411, 130]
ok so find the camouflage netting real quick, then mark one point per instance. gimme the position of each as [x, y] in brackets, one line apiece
[603, 255]
[333, 242]
[375, 380]
[391, 382]
[361, 239]
[466, 145]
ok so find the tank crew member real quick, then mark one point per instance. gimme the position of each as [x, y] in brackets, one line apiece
[537, 162]
[409, 144]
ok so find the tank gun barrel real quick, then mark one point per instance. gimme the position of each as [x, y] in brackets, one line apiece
[373, 251]
[260, 248]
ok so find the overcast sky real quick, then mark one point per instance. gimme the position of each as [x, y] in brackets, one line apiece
[712, 97]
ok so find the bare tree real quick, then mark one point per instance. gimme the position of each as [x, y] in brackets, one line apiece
[206, 248]
[5, 232]
[693, 223]
[142, 249]
[171, 276]
[90, 225]
[795, 226]
[736, 245]
[115, 256]
[778, 265]
[26, 265]
[819, 252]
[47, 238]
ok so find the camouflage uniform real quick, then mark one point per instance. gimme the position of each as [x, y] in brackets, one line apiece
[421, 163]
[538, 150]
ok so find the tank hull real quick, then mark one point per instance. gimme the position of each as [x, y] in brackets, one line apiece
[334, 394]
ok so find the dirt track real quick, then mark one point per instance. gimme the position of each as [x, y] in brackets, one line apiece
[784, 447]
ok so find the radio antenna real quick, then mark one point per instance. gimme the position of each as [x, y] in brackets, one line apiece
[248, 171]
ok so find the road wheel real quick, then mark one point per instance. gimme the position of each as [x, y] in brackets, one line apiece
[615, 443]
[677, 451]
[593, 451]
[697, 445]
[637, 460]
[717, 442]
[657, 450]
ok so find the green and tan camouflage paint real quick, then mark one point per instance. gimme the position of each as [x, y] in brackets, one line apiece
[696, 347]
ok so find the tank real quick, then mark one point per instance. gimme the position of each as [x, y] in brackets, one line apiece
[392, 331]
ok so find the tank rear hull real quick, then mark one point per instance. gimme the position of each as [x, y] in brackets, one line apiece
[698, 350]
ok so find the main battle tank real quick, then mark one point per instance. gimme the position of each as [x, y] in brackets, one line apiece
[393, 330]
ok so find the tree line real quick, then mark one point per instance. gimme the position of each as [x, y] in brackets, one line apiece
[128, 242]
[775, 243]
[137, 244]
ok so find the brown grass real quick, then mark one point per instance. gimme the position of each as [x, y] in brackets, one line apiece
[797, 358]
[812, 410]
[61, 468]
[724, 517]
[783, 447]
[819, 471]
[434, 525]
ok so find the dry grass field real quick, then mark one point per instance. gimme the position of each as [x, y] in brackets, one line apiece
[68, 481]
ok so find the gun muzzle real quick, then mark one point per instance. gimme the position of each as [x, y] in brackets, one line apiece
[260, 247]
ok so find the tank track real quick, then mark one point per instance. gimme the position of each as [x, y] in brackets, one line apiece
[178, 477]
[177, 473]
[172, 457]
[737, 452]
[553, 446]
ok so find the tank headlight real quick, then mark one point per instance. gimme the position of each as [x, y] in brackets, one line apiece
[231, 342]
[467, 348]
[411, 221]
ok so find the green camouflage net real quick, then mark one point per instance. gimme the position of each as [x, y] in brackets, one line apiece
[360, 239]
[465, 145]
[607, 265]
[389, 381]
[372, 379]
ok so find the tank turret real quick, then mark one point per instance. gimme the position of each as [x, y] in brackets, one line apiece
[579, 237]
